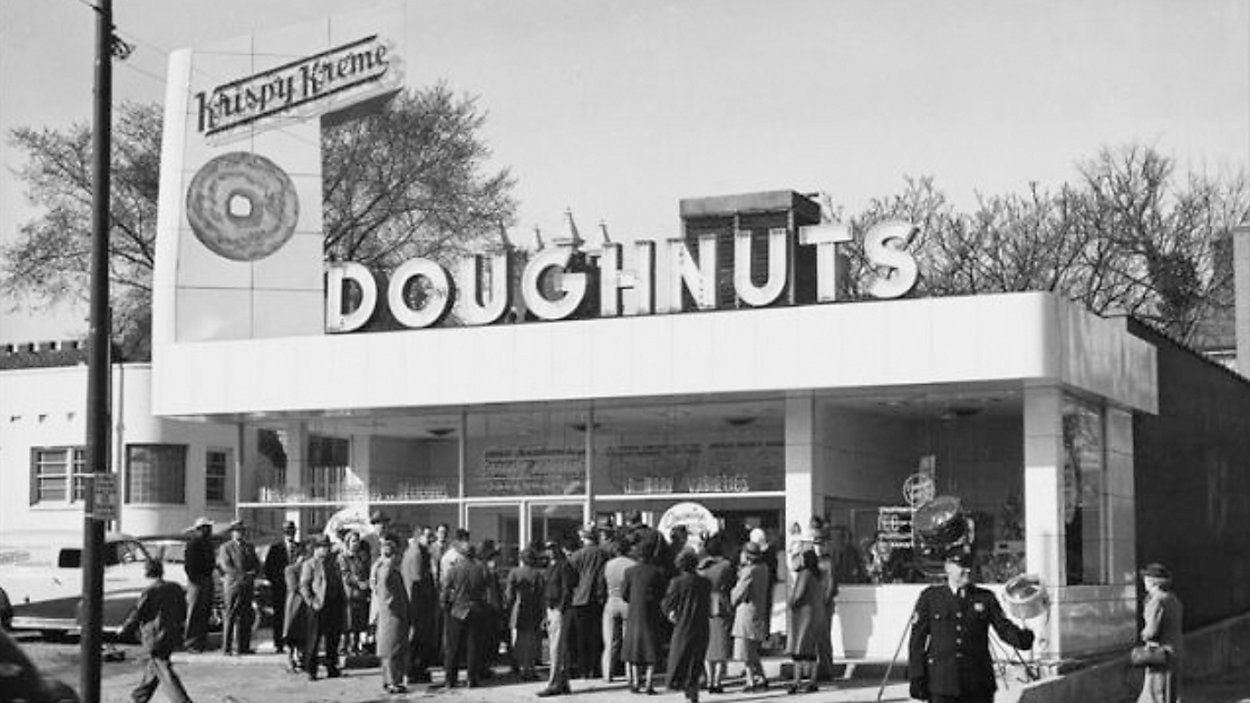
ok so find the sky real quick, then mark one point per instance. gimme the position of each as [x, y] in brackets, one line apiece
[618, 109]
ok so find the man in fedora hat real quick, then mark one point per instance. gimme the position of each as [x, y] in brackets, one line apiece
[281, 553]
[321, 587]
[239, 565]
[948, 654]
[199, 567]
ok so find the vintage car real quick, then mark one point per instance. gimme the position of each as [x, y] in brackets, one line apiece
[21, 680]
[41, 573]
[171, 549]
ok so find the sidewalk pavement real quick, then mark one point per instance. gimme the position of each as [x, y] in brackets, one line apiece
[262, 678]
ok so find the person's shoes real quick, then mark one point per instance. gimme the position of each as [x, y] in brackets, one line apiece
[811, 688]
[547, 692]
[792, 689]
[245, 652]
[333, 673]
[279, 648]
[651, 691]
[312, 676]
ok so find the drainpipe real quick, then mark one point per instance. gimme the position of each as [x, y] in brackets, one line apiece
[1241, 297]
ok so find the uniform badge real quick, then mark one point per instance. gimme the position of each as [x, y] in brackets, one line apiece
[979, 607]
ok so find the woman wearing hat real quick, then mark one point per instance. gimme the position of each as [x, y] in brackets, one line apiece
[752, 600]
[1162, 614]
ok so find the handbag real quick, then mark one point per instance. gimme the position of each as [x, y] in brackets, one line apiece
[1151, 656]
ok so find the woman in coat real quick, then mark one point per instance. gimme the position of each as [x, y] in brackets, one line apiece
[643, 591]
[687, 604]
[721, 575]
[523, 600]
[294, 625]
[751, 598]
[354, 564]
[1162, 614]
[390, 603]
[807, 617]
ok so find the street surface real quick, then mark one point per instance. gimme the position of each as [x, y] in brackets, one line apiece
[262, 677]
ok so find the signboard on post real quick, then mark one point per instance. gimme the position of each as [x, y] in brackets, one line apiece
[103, 505]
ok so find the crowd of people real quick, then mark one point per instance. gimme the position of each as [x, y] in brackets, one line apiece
[622, 603]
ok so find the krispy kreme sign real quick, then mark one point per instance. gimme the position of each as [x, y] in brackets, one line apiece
[310, 86]
[560, 282]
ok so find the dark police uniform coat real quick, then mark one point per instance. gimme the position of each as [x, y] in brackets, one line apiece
[949, 651]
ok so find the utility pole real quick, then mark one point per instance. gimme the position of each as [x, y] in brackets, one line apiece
[99, 338]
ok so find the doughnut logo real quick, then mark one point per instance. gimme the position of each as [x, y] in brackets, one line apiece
[242, 206]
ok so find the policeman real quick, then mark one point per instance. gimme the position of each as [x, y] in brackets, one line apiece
[949, 655]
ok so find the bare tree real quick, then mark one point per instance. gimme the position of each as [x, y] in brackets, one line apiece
[1125, 237]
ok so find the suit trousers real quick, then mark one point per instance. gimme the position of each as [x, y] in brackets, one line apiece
[613, 635]
[199, 608]
[559, 629]
[156, 672]
[588, 640]
[237, 625]
[278, 599]
[463, 635]
[326, 624]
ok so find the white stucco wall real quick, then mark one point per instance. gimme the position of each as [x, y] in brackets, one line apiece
[47, 408]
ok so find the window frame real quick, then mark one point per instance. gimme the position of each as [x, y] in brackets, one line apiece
[209, 478]
[130, 474]
[72, 475]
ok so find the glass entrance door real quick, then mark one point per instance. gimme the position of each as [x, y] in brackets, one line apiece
[556, 521]
[498, 524]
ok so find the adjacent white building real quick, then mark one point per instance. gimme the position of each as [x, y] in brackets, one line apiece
[169, 471]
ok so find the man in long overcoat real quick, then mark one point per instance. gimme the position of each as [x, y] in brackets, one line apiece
[237, 561]
[417, 569]
[281, 553]
[948, 653]
[321, 587]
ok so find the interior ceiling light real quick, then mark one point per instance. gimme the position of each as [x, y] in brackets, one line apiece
[740, 420]
[441, 431]
[581, 426]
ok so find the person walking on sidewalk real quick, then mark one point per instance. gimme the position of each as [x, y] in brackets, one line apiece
[1162, 617]
[199, 564]
[158, 616]
[321, 587]
[237, 561]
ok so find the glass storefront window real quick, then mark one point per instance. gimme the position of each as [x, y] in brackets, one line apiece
[908, 477]
[1084, 491]
[530, 452]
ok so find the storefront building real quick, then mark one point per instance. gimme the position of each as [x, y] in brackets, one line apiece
[722, 367]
